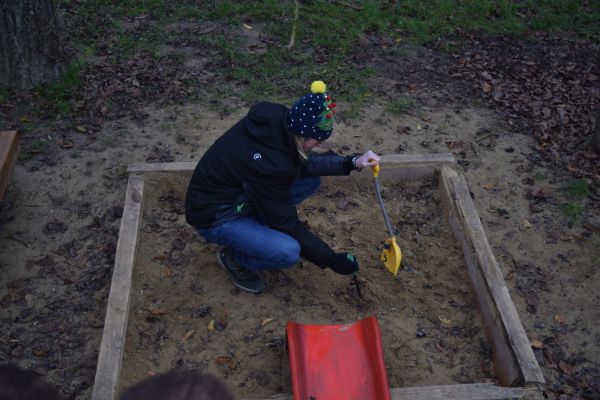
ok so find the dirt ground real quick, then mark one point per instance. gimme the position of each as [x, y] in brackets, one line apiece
[60, 218]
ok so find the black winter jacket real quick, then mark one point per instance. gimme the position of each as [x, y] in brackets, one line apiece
[249, 170]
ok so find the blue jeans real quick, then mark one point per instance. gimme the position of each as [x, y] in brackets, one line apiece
[256, 246]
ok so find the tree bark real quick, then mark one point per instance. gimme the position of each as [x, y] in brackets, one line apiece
[30, 51]
[596, 134]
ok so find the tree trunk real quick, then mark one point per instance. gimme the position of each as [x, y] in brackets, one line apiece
[29, 43]
[596, 134]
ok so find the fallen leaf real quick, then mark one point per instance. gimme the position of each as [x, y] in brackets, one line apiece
[187, 335]
[550, 360]
[211, 325]
[566, 368]
[486, 75]
[532, 301]
[79, 261]
[445, 321]
[30, 300]
[546, 111]
[433, 347]
[456, 144]
[247, 26]
[65, 144]
[24, 119]
[541, 192]
[342, 204]
[39, 353]
[81, 128]
[266, 322]
[537, 344]
[226, 360]
[157, 311]
[45, 262]
[150, 373]
[220, 325]
[489, 186]
[526, 224]
[559, 319]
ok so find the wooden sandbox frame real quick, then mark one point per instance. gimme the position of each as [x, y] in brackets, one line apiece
[515, 364]
[8, 157]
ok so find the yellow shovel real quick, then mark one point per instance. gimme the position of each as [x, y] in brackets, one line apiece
[391, 256]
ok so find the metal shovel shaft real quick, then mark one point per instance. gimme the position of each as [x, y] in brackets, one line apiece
[357, 285]
[385, 214]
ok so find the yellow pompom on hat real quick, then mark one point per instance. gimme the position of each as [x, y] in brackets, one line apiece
[318, 87]
[312, 115]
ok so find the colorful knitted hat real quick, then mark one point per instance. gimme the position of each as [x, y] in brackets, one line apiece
[312, 115]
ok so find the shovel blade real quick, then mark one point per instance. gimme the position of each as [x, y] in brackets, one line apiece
[391, 256]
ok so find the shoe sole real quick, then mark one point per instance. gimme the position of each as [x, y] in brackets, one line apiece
[222, 264]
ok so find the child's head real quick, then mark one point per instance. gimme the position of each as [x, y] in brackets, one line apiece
[179, 385]
[312, 115]
[20, 384]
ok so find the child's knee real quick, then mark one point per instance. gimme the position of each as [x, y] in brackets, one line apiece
[314, 184]
[288, 254]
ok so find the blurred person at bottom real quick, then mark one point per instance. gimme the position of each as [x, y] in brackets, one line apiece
[179, 385]
[21, 384]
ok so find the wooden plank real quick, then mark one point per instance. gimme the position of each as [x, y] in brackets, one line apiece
[439, 159]
[400, 168]
[163, 167]
[515, 362]
[110, 357]
[430, 161]
[8, 158]
[476, 391]
[506, 364]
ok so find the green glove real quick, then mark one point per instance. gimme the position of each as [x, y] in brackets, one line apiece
[344, 263]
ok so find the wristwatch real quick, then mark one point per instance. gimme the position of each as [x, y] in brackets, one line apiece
[354, 163]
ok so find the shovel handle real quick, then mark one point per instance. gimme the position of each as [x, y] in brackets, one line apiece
[375, 169]
[355, 278]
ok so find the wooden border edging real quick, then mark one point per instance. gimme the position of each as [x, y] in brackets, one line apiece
[426, 161]
[408, 160]
[8, 158]
[110, 357]
[514, 359]
[475, 391]
[163, 167]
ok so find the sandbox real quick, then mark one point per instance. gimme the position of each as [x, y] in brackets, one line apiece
[443, 319]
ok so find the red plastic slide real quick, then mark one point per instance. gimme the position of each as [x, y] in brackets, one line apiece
[333, 362]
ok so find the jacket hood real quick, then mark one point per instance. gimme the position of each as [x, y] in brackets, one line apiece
[266, 123]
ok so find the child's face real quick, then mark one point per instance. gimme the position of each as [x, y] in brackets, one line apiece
[309, 144]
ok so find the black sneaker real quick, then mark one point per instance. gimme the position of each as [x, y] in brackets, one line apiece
[242, 277]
